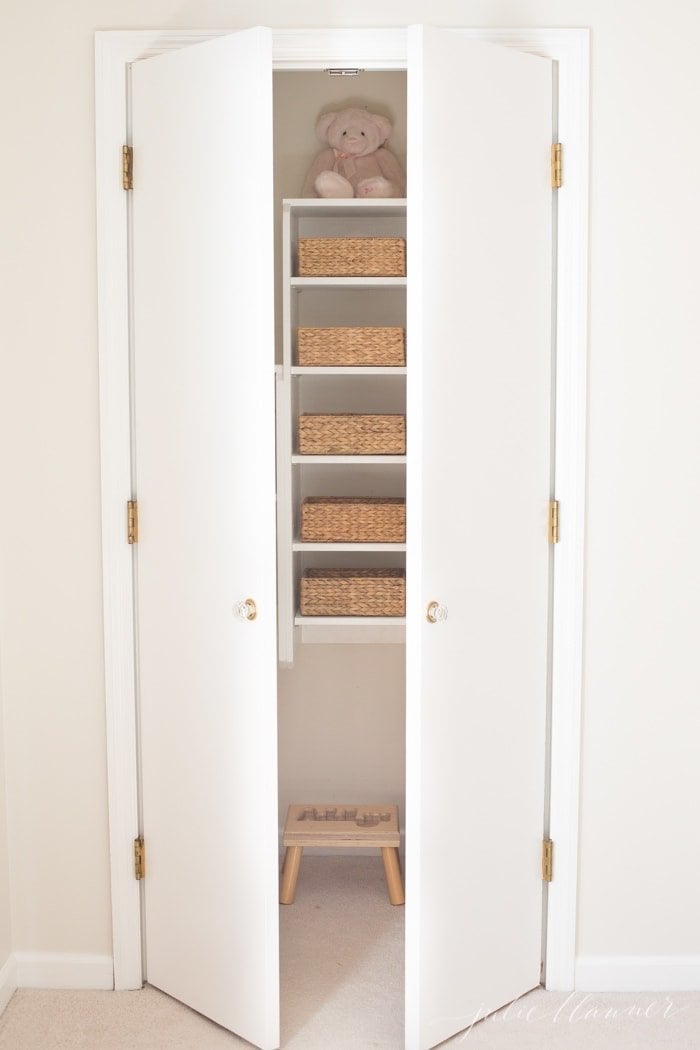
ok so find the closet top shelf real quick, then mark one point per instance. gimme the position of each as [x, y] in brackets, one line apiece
[360, 208]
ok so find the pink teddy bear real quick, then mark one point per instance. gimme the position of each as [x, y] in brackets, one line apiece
[356, 163]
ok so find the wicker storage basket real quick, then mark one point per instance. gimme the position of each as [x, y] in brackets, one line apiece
[351, 346]
[351, 257]
[353, 592]
[352, 435]
[353, 519]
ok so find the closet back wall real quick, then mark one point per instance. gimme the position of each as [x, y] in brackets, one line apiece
[301, 97]
[642, 676]
[342, 726]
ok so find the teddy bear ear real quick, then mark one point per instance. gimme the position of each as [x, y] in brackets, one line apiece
[384, 125]
[323, 124]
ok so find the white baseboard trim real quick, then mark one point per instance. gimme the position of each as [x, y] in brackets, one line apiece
[638, 973]
[64, 970]
[8, 982]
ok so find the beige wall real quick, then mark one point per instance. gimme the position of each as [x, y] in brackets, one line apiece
[5, 903]
[642, 675]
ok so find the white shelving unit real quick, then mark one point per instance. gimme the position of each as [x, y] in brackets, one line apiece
[329, 301]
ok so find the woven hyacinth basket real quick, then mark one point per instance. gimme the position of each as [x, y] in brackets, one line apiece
[353, 592]
[351, 347]
[352, 435]
[351, 257]
[353, 519]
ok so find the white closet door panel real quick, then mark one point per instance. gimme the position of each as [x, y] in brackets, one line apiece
[480, 290]
[205, 466]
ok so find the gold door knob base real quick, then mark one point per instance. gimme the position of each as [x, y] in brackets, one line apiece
[246, 610]
[436, 613]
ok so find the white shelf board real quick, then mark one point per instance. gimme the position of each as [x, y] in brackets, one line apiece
[349, 621]
[299, 545]
[305, 208]
[353, 370]
[313, 461]
[347, 282]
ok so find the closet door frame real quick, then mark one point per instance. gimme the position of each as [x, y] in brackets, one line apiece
[375, 49]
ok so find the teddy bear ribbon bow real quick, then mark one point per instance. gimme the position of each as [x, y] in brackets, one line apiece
[348, 163]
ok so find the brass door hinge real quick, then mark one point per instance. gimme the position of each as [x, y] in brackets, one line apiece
[557, 174]
[128, 167]
[139, 859]
[132, 521]
[547, 859]
[554, 521]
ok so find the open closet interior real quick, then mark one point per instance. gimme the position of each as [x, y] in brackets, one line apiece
[341, 685]
[341, 681]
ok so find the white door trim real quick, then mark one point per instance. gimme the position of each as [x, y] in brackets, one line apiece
[316, 49]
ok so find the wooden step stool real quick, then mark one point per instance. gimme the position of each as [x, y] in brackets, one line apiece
[348, 827]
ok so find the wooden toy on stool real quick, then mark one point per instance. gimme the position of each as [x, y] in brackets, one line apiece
[347, 827]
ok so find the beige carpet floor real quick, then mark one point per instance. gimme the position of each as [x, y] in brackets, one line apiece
[342, 975]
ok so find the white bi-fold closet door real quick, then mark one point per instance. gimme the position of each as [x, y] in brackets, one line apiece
[479, 392]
